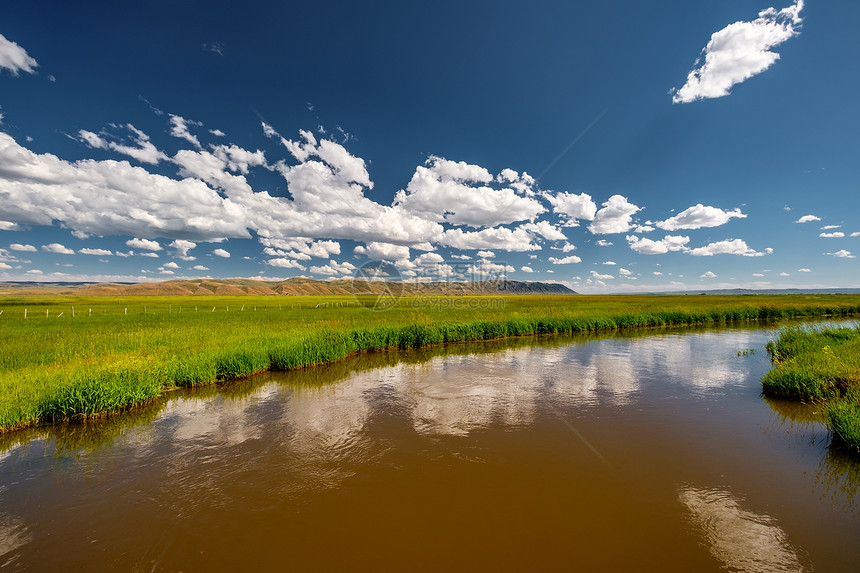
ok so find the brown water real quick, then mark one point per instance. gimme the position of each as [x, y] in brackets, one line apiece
[654, 453]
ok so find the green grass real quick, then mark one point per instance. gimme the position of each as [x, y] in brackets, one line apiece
[820, 366]
[111, 354]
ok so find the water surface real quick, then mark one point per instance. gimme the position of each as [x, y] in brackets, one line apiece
[648, 453]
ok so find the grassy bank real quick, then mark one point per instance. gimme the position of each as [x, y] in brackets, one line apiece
[79, 357]
[821, 366]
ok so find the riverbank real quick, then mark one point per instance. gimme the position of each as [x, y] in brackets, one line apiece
[821, 366]
[65, 358]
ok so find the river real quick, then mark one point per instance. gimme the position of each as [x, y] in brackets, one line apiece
[631, 452]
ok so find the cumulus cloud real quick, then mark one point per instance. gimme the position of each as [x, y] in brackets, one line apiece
[599, 277]
[646, 246]
[624, 272]
[834, 235]
[286, 263]
[708, 275]
[544, 229]
[565, 261]
[603, 243]
[20, 247]
[383, 251]
[842, 254]
[182, 248]
[486, 254]
[738, 52]
[808, 219]
[804, 270]
[200, 268]
[15, 58]
[97, 252]
[500, 238]
[698, 217]
[616, 216]
[727, 247]
[143, 244]
[58, 249]
[171, 265]
[334, 268]
[461, 194]
[221, 253]
[571, 206]
[527, 269]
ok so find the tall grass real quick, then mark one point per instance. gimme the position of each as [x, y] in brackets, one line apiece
[820, 366]
[115, 353]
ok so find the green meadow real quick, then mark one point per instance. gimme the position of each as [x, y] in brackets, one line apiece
[821, 365]
[81, 357]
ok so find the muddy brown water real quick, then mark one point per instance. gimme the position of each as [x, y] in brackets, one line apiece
[646, 453]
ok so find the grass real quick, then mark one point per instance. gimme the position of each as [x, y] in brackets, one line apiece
[820, 365]
[78, 357]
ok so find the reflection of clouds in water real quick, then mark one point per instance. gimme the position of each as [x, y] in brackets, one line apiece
[216, 419]
[741, 539]
[13, 534]
[701, 360]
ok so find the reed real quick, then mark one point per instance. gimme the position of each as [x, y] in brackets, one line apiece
[820, 365]
[104, 358]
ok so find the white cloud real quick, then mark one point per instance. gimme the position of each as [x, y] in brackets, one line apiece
[8, 225]
[486, 254]
[171, 265]
[544, 229]
[615, 217]
[15, 58]
[179, 128]
[657, 273]
[727, 247]
[572, 206]
[182, 247]
[20, 247]
[842, 254]
[808, 219]
[830, 227]
[460, 194]
[784, 275]
[334, 268]
[487, 270]
[143, 150]
[855, 234]
[572, 259]
[738, 52]
[698, 217]
[285, 263]
[708, 275]
[58, 249]
[804, 270]
[527, 269]
[110, 198]
[383, 251]
[599, 277]
[624, 272]
[611, 263]
[646, 246]
[221, 253]
[144, 244]
[200, 268]
[603, 243]
[217, 133]
[5, 266]
[97, 252]
[834, 235]
[757, 274]
[148, 255]
[499, 238]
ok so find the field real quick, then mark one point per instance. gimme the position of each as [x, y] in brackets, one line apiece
[821, 366]
[79, 357]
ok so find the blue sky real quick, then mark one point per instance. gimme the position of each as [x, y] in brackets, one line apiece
[613, 146]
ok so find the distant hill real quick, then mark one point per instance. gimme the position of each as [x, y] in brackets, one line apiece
[294, 287]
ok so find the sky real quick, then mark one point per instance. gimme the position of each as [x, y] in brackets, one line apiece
[613, 147]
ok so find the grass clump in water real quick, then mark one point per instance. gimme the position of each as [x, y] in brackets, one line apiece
[820, 366]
